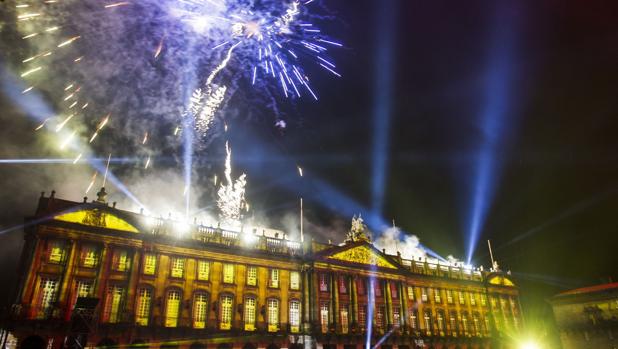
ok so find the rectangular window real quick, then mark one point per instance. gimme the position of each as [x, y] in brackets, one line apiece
[428, 323]
[228, 273]
[114, 297]
[344, 318]
[411, 293]
[295, 280]
[362, 316]
[453, 322]
[249, 313]
[88, 256]
[343, 284]
[82, 289]
[142, 313]
[464, 323]
[121, 260]
[476, 323]
[462, 299]
[172, 308]
[414, 319]
[273, 315]
[200, 310]
[472, 298]
[437, 297]
[251, 276]
[361, 286]
[449, 296]
[483, 300]
[294, 316]
[57, 252]
[177, 267]
[380, 317]
[323, 282]
[394, 292]
[324, 317]
[486, 320]
[424, 294]
[226, 311]
[377, 287]
[274, 278]
[440, 322]
[396, 317]
[203, 270]
[150, 264]
[47, 296]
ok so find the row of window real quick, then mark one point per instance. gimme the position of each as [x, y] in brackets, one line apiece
[121, 262]
[414, 293]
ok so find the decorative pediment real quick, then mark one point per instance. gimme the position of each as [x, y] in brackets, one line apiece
[97, 218]
[500, 281]
[363, 254]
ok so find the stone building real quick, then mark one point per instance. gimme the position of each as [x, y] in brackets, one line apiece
[94, 275]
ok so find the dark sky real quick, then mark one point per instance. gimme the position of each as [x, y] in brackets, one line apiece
[552, 215]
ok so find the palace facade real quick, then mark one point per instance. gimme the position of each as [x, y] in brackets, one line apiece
[93, 275]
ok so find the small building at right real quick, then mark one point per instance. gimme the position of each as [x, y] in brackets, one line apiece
[587, 317]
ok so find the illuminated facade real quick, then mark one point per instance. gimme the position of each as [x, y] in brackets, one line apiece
[157, 284]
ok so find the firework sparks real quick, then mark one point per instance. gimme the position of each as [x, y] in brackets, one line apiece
[231, 200]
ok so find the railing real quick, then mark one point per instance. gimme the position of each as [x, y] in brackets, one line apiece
[224, 237]
[442, 270]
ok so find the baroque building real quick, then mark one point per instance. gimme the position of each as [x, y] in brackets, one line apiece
[93, 275]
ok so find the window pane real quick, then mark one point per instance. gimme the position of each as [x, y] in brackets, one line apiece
[121, 260]
[273, 315]
[228, 273]
[150, 264]
[343, 285]
[323, 282]
[203, 270]
[113, 301]
[143, 306]
[178, 267]
[172, 308]
[252, 276]
[380, 317]
[47, 296]
[396, 317]
[324, 317]
[57, 252]
[200, 310]
[274, 278]
[411, 293]
[344, 318]
[89, 256]
[362, 317]
[226, 313]
[295, 316]
[249, 314]
[82, 289]
[295, 280]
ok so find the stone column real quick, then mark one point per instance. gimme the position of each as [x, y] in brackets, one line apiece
[389, 304]
[403, 306]
[353, 301]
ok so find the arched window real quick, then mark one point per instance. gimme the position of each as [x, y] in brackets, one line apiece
[294, 316]
[249, 313]
[225, 312]
[273, 315]
[144, 299]
[172, 308]
[200, 310]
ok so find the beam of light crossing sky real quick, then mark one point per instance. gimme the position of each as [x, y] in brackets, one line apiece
[386, 15]
[493, 124]
[34, 106]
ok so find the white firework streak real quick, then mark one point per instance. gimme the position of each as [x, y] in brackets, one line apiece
[204, 106]
[231, 199]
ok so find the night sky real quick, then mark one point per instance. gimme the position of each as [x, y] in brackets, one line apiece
[552, 195]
